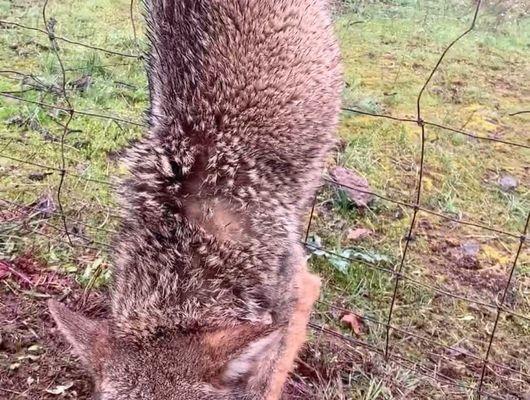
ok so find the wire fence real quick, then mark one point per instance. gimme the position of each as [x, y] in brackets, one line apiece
[33, 220]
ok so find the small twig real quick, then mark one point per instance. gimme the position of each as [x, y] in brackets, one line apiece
[21, 275]
[13, 392]
[90, 285]
[131, 14]
[519, 113]
[50, 26]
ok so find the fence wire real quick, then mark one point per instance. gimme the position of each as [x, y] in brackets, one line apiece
[33, 219]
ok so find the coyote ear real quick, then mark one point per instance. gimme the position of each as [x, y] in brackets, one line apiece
[252, 361]
[87, 337]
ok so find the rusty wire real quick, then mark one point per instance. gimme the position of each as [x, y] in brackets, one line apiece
[49, 25]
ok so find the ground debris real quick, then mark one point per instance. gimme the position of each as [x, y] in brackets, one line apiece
[353, 322]
[356, 187]
[82, 83]
[508, 183]
[358, 233]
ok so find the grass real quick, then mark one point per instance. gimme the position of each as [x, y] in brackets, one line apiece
[389, 48]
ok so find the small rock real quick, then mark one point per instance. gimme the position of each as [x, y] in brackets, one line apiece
[39, 176]
[353, 185]
[399, 214]
[508, 183]
[470, 249]
[357, 234]
[81, 84]
[466, 254]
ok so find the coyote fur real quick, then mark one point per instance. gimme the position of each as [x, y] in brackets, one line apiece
[210, 295]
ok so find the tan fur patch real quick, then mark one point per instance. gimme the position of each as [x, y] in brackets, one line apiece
[231, 337]
[308, 290]
[217, 218]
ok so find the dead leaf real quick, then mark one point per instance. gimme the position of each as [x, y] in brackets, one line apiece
[14, 366]
[465, 256]
[39, 176]
[354, 322]
[45, 206]
[12, 214]
[34, 348]
[60, 389]
[358, 233]
[353, 185]
[457, 352]
[31, 357]
[82, 83]
[6, 269]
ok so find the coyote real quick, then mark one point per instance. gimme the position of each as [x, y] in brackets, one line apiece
[211, 295]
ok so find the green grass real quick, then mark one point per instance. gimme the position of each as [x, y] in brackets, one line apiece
[389, 49]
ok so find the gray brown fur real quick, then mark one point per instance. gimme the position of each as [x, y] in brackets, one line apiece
[244, 102]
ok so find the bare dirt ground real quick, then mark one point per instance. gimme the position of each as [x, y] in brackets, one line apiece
[37, 361]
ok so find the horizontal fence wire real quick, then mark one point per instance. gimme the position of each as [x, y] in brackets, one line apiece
[68, 109]
[423, 338]
[401, 361]
[5, 23]
[437, 125]
[311, 247]
[32, 221]
[423, 209]
[328, 180]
